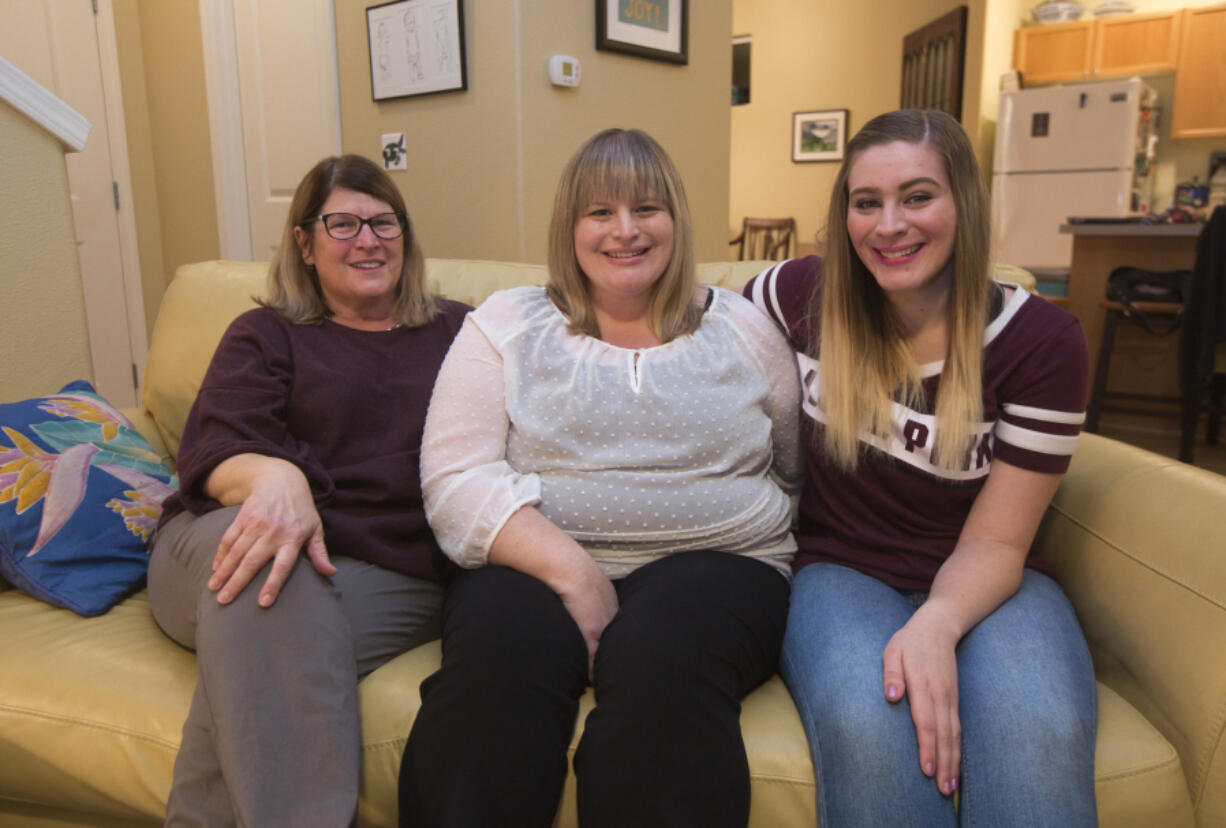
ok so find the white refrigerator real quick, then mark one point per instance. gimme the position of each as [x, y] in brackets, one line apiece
[1083, 151]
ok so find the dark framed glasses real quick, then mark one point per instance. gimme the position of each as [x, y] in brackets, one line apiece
[346, 226]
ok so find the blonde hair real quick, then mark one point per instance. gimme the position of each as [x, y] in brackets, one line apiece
[293, 285]
[622, 164]
[866, 362]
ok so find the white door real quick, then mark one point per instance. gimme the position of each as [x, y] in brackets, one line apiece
[58, 44]
[274, 104]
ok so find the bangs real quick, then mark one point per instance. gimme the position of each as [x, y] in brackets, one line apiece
[624, 169]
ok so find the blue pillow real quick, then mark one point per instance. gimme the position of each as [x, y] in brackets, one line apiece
[80, 495]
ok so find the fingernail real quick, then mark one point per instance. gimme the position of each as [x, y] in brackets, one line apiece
[953, 785]
[928, 769]
[265, 600]
[948, 787]
[891, 692]
[214, 582]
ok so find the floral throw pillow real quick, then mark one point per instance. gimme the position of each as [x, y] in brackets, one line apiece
[80, 496]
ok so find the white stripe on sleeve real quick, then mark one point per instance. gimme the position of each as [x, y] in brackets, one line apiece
[1049, 415]
[1026, 438]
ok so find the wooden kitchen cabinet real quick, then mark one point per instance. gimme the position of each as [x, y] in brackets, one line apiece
[1136, 44]
[1199, 109]
[1055, 52]
[1131, 44]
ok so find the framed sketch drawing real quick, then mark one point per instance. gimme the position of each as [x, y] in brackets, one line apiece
[819, 135]
[416, 48]
[655, 29]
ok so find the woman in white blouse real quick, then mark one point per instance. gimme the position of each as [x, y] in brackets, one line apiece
[612, 459]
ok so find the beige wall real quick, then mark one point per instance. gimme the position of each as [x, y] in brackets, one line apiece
[483, 163]
[821, 54]
[177, 169]
[42, 311]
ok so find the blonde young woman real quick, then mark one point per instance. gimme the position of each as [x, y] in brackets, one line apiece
[610, 458]
[926, 650]
[296, 557]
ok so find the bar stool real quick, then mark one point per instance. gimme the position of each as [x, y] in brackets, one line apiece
[1160, 405]
[1188, 407]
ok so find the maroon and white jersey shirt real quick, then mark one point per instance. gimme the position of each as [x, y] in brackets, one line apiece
[898, 516]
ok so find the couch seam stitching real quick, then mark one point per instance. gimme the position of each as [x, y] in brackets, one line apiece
[39, 714]
[1164, 765]
[1116, 547]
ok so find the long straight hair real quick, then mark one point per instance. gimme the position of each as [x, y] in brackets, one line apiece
[293, 285]
[866, 361]
[622, 165]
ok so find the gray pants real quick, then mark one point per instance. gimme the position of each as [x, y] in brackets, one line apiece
[272, 737]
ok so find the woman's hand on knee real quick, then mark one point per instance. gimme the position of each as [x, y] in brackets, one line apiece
[920, 663]
[592, 602]
[277, 519]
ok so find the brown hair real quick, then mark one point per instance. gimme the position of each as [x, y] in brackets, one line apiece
[293, 285]
[866, 362]
[622, 164]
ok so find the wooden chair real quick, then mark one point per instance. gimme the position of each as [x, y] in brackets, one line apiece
[765, 238]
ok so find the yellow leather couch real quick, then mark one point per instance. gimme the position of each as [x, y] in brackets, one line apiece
[91, 709]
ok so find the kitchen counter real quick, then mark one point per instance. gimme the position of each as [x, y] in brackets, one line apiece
[1141, 363]
[1133, 229]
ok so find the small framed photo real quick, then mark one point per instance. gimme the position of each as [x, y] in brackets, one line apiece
[416, 48]
[819, 135]
[655, 29]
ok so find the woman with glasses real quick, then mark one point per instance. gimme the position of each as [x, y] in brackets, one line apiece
[303, 443]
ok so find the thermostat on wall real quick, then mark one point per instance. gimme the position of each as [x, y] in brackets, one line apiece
[563, 70]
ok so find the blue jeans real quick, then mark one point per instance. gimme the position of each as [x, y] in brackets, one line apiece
[1027, 701]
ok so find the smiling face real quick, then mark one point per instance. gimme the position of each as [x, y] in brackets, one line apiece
[623, 247]
[902, 219]
[357, 277]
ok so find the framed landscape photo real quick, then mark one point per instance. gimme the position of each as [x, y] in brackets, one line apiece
[416, 48]
[819, 135]
[655, 29]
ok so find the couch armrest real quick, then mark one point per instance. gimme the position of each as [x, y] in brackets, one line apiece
[1138, 541]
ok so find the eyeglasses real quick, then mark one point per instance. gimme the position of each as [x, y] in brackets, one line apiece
[346, 226]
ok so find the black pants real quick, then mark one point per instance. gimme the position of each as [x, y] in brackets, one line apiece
[694, 634]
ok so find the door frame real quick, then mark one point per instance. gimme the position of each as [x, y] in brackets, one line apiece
[121, 173]
[223, 91]
[226, 128]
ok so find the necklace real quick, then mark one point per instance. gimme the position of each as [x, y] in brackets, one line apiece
[394, 326]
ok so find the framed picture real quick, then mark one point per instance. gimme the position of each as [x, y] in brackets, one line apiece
[820, 135]
[655, 29]
[416, 48]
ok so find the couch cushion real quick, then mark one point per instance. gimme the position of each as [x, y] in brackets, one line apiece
[91, 712]
[91, 709]
[80, 494]
[472, 280]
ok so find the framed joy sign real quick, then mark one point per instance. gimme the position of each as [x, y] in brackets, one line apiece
[655, 29]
